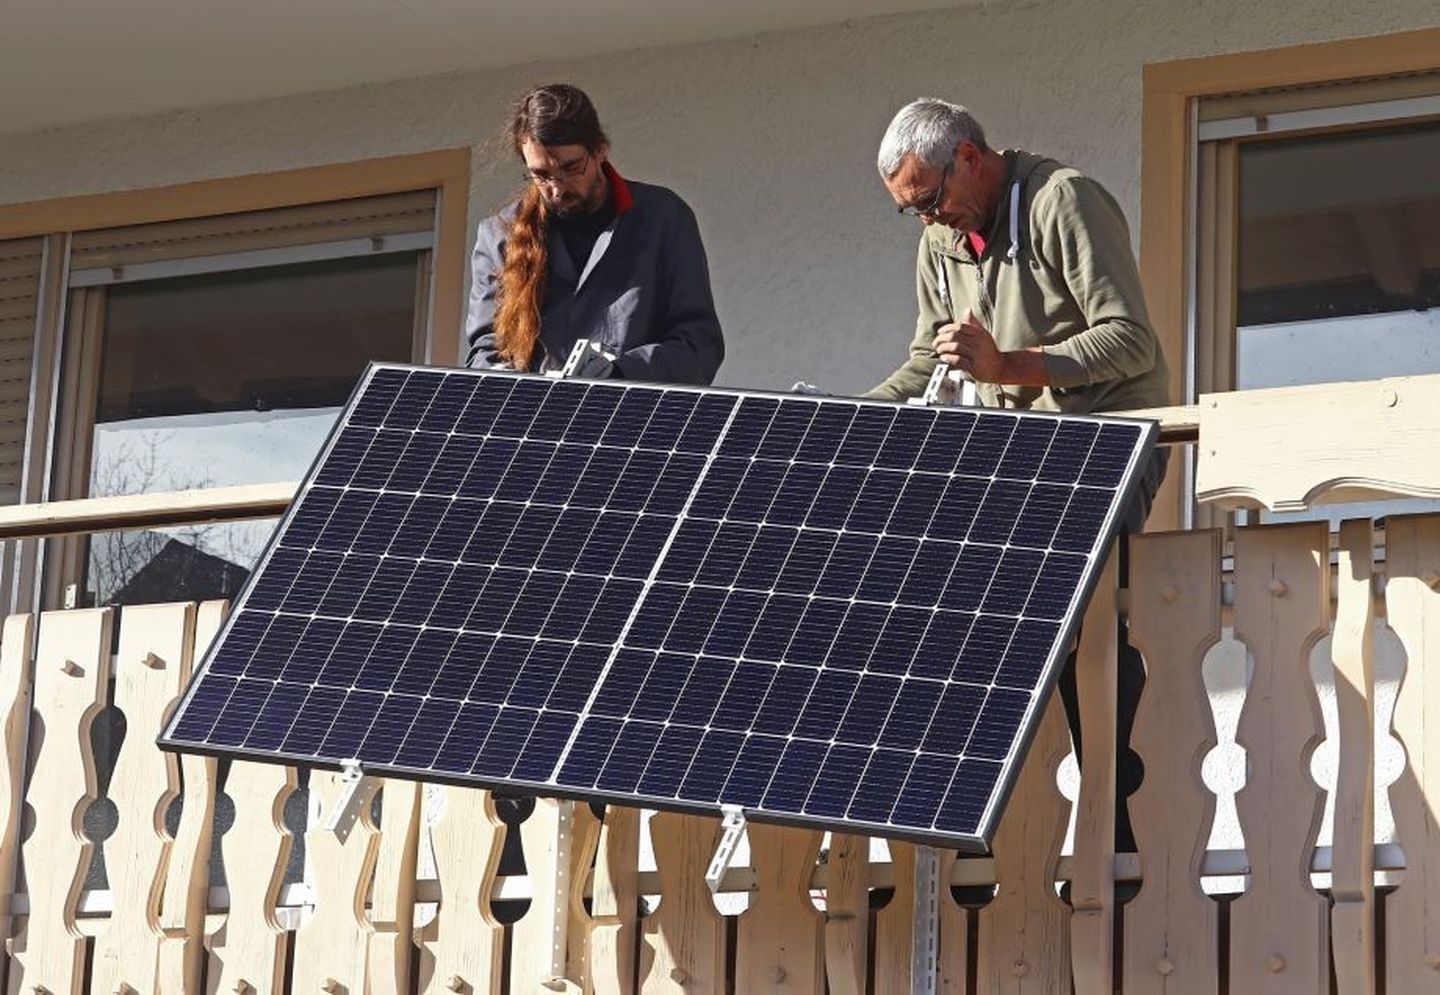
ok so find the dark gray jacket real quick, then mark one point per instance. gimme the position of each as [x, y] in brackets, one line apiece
[644, 296]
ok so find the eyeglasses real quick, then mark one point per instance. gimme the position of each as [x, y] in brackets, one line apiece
[931, 204]
[561, 173]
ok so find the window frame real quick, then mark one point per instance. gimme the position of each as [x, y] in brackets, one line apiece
[58, 411]
[1172, 167]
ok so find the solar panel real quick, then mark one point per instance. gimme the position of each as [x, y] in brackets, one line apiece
[830, 612]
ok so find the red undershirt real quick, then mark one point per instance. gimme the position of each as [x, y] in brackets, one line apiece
[977, 243]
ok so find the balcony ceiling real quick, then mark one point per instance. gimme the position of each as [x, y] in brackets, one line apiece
[69, 61]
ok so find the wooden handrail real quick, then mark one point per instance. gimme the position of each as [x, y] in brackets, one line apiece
[228, 504]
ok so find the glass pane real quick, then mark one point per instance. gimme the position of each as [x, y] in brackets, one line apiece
[1339, 264]
[222, 379]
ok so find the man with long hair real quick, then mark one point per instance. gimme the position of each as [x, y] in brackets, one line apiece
[585, 254]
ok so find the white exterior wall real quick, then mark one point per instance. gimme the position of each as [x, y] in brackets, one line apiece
[771, 139]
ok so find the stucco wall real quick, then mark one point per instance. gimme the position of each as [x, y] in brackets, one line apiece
[771, 139]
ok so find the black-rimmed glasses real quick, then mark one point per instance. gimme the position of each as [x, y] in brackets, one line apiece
[561, 173]
[931, 203]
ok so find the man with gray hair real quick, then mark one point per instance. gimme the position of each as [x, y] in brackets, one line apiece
[1026, 284]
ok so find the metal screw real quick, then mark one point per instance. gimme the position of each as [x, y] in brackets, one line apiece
[1166, 966]
[1278, 588]
[1019, 969]
[1274, 963]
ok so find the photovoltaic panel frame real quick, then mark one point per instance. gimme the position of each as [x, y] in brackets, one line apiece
[829, 612]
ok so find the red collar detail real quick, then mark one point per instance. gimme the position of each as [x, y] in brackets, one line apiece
[624, 199]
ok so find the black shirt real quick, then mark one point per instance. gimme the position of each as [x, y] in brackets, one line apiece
[579, 231]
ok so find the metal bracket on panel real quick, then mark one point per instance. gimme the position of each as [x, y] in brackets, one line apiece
[732, 828]
[947, 386]
[925, 940]
[587, 360]
[357, 788]
[560, 898]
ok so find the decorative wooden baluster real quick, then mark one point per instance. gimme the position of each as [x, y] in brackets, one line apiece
[895, 926]
[682, 947]
[392, 896]
[153, 661]
[1352, 918]
[464, 945]
[332, 949]
[1279, 927]
[615, 902]
[72, 673]
[187, 877]
[780, 937]
[247, 954]
[847, 914]
[1172, 927]
[1412, 603]
[954, 933]
[16, 656]
[1024, 934]
[1092, 883]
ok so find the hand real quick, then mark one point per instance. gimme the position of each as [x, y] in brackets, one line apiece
[969, 346]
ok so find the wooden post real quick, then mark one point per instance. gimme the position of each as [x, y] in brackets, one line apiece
[1024, 933]
[151, 667]
[1092, 883]
[615, 902]
[1279, 927]
[1352, 920]
[392, 896]
[17, 646]
[780, 937]
[954, 933]
[537, 956]
[1412, 603]
[847, 914]
[72, 674]
[464, 945]
[682, 948]
[895, 926]
[1172, 927]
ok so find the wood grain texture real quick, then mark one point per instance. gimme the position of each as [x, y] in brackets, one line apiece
[847, 914]
[463, 948]
[392, 895]
[780, 938]
[151, 666]
[1024, 933]
[1352, 889]
[1172, 927]
[895, 927]
[1092, 881]
[1412, 605]
[682, 945]
[1342, 442]
[1279, 928]
[538, 940]
[72, 673]
[615, 902]
[17, 646]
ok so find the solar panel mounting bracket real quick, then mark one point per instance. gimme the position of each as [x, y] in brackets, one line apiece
[947, 386]
[357, 788]
[732, 825]
[925, 937]
[586, 359]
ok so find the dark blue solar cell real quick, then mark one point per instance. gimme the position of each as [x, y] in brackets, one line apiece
[838, 491]
[847, 565]
[895, 649]
[957, 508]
[415, 398]
[827, 703]
[757, 491]
[455, 602]
[835, 782]
[945, 442]
[858, 634]
[753, 771]
[448, 404]
[605, 543]
[1083, 519]
[561, 476]
[314, 721]
[985, 446]
[415, 463]
[631, 417]
[643, 546]
[786, 429]
[706, 423]
[276, 716]
[380, 459]
[314, 647]
[816, 631]
[1014, 580]
[796, 494]
[1040, 515]
[622, 684]
[656, 616]
[1000, 717]
[663, 683]
[563, 547]
[970, 791]
[670, 762]
[582, 669]
[498, 672]
[673, 489]
[422, 520]
[310, 515]
[766, 558]
[984, 649]
[726, 554]
[868, 709]
[996, 518]
[599, 477]
[891, 563]
[241, 710]
[877, 792]
[416, 673]
[1026, 451]
[736, 621]
[633, 749]
[524, 471]
[794, 776]
[924, 789]
[749, 426]
[807, 560]
[876, 502]
[970, 579]
[513, 420]
[484, 406]
[345, 455]
[927, 577]
[388, 655]
[826, 433]
[613, 607]
[939, 647]
[532, 531]
[917, 503]
[915, 706]
[432, 723]
[272, 589]
[560, 406]
[455, 675]
[747, 690]
[447, 471]
[535, 602]
[1068, 452]
[713, 762]
[717, 489]
[668, 421]
[949, 728]
[1029, 650]
[905, 439]
[781, 709]
[709, 677]
[352, 723]
[866, 436]
[380, 526]
[489, 468]
[503, 746]
[589, 752]
[465, 736]
[390, 729]
[590, 421]
[775, 627]
[637, 481]
[538, 675]
[1110, 455]
[377, 396]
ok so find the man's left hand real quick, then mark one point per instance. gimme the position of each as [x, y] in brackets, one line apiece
[969, 346]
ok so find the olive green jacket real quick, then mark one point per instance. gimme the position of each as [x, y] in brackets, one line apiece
[1057, 272]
